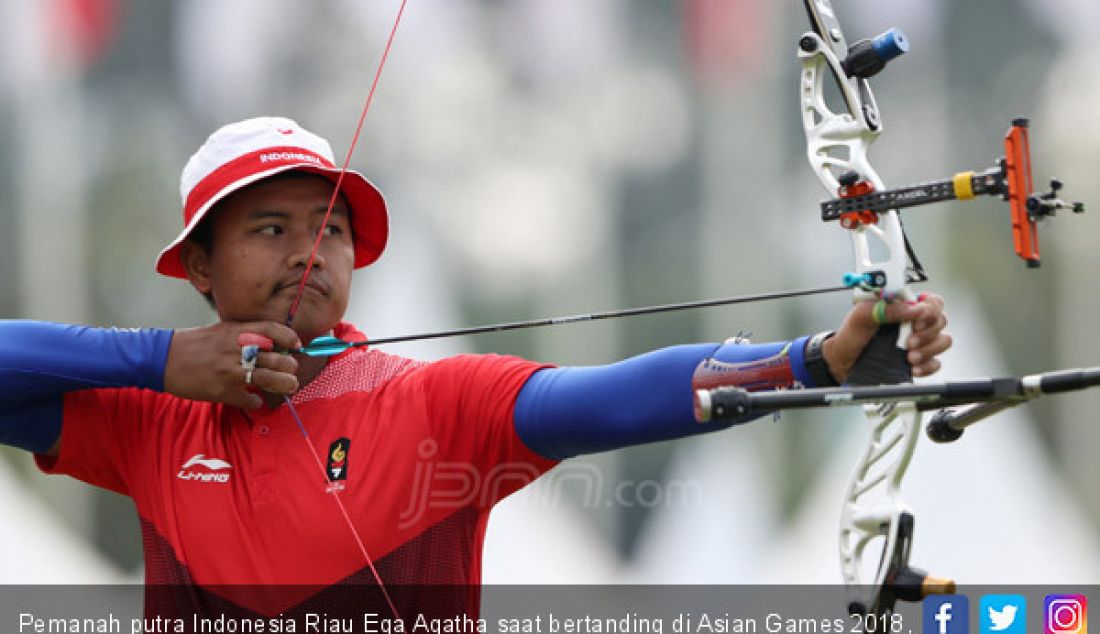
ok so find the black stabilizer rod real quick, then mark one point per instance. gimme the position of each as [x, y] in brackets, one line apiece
[947, 425]
[991, 395]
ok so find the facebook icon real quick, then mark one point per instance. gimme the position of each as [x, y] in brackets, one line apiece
[947, 614]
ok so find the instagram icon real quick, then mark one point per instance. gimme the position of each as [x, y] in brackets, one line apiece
[1065, 614]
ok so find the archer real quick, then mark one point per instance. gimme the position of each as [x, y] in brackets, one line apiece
[202, 427]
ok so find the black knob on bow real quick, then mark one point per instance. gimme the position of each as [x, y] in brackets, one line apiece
[867, 57]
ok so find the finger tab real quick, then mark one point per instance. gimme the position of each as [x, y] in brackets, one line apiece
[252, 339]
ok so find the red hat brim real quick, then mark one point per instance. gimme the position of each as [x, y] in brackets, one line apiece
[369, 217]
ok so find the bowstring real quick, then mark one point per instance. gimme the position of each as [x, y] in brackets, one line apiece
[347, 162]
[301, 289]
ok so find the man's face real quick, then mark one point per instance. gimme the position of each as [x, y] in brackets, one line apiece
[261, 241]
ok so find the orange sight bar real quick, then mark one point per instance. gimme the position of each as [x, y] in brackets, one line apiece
[1017, 170]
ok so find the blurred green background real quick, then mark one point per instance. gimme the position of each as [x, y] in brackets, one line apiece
[545, 157]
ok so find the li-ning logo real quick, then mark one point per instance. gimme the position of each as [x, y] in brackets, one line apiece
[202, 469]
[290, 156]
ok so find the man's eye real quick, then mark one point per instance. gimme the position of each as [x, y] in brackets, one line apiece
[270, 230]
[334, 230]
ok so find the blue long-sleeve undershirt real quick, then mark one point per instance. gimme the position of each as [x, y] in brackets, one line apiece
[563, 412]
[40, 361]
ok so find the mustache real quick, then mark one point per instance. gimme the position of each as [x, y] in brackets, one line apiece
[316, 283]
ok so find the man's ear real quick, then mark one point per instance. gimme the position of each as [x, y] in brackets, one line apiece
[196, 263]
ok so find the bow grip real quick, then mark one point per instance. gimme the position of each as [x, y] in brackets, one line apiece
[882, 362]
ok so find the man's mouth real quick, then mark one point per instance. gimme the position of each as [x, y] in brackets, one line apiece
[311, 285]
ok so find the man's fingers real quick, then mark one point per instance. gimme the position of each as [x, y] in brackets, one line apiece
[937, 346]
[273, 372]
[931, 318]
[931, 299]
[928, 339]
[926, 318]
[928, 307]
[927, 329]
[209, 363]
[926, 353]
[898, 312]
[277, 362]
[274, 382]
[926, 369]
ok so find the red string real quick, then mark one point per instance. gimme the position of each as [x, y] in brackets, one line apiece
[301, 290]
[343, 509]
[347, 162]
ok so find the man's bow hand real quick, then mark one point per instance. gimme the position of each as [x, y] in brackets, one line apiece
[925, 343]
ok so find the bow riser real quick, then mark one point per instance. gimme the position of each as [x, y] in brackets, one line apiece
[873, 508]
[837, 143]
[836, 146]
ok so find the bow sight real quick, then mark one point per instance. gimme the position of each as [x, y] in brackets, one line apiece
[1010, 179]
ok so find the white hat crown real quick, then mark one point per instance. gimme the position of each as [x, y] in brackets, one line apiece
[234, 140]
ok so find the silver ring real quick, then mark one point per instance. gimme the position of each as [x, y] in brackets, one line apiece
[248, 376]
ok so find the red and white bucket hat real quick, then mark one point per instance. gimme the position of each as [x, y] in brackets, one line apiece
[242, 153]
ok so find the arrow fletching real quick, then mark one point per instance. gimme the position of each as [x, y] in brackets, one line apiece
[324, 347]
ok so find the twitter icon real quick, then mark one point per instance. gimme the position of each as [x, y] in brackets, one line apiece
[1003, 614]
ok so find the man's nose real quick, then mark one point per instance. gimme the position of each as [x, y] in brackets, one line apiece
[305, 245]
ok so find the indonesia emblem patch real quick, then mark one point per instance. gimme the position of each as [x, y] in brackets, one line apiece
[337, 468]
